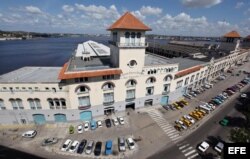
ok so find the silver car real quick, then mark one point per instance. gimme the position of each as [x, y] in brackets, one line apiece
[89, 147]
[121, 144]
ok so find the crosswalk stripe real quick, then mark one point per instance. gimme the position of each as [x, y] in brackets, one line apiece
[170, 134]
[170, 131]
[190, 152]
[193, 156]
[185, 150]
[174, 136]
[182, 147]
[168, 128]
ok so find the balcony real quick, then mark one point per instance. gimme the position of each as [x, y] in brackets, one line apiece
[129, 45]
[81, 107]
[108, 103]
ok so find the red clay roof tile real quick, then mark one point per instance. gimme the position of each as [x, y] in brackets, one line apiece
[232, 34]
[129, 22]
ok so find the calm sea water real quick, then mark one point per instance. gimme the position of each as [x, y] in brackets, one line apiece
[39, 52]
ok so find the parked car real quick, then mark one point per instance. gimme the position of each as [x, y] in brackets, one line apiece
[80, 129]
[181, 123]
[121, 120]
[166, 107]
[224, 122]
[49, 141]
[203, 146]
[219, 147]
[180, 104]
[99, 123]
[187, 96]
[184, 102]
[131, 143]
[121, 144]
[189, 118]
[86, 126]
[89, 147]
[93, 125]
[108, 147]
[66, 145]
[172, 107]
[193, 94]
[98, 148]
[81, 146]
[29, 134]
[74, 146]
[108, 123]
[115, 122]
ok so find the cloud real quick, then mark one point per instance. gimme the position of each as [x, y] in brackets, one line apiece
[138, 15]
[67, 8]
[247, 11]
[239, 5]
[200, 3]
[99, 12]
[33, 10]
[148, 10]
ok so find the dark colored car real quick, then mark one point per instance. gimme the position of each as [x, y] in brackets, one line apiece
[108, 123]
[98, 148]
[166, 107]
[81, 146]
[180, 104]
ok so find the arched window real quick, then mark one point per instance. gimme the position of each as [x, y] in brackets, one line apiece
[168, 78]
[2, 107]
[16, 103]
[138, 38]
[108, 86]
[34, 103]
[150, 80]
[63, 103]
[127, 38]
[82, 89]
[133, 38]
[131, 83]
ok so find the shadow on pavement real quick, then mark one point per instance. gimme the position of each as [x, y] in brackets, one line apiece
[9, 153]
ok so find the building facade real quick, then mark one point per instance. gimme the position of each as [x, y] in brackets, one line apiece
[83, 88]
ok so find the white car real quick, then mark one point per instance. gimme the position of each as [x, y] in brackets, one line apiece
[86, 126]
[115, 121]
[189, 118]
[99, 123]
[243, 95]
[121, 120]
[219, 147]
[80, 129]
[66, 145]
[203, 146]
[29, 134]
[89, 147]
[181, 123]
[74, 146]
[131, 143]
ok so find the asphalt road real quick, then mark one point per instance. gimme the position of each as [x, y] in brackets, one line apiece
[210, 130]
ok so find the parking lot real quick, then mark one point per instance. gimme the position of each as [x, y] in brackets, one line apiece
[138, 125]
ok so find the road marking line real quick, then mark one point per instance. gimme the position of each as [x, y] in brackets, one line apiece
[170, 134]
[190, 152]
[168, 128]
[174, 136]
[189, 148]
[170, 131]
[182, 147]
[193, 156]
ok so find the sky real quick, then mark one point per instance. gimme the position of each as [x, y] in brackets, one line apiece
[166, 17]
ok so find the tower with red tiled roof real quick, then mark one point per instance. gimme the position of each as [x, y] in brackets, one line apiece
[128, 43]
[230, 41]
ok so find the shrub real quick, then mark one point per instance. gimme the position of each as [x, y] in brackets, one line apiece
[71, 129]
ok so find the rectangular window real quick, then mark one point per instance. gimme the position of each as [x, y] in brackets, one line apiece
[149, 91]
[83, 101]
[179, 84]
[130, 94]
[108, 97]
[166, 88]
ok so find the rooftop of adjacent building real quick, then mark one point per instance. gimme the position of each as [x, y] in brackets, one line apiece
[32, 75]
